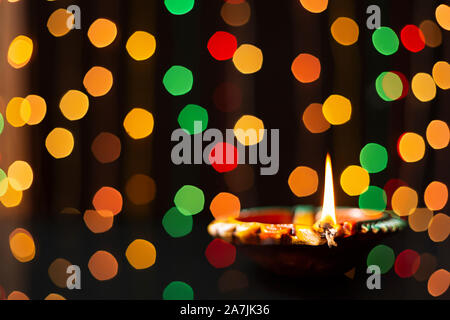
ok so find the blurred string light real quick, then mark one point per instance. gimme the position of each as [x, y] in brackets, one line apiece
[3, 182]
[438, 282]
[57, 272]
[179, 7]
[54, 297]
[38, 109]
[420, 219]
[20, 51]
[442, 14]
[412, 38]
[18, 112]
[432, 33]
[98, 222]
[192, 115]
[441, 74]
[382, 256]
[189, 200]
[391, 85]
[436, 196]
[57, 22]
[306, 68]
[2, 123]
[404, 201]
[220, 254]
[220, 157]
[222, 45]
[248, 59]
[385, 41]
[22, 245]
[74, 105]
[314, 6]
[176, 224]
[407, 263]
[337, 109]
[345, 31]
[141, 45]
[178, 290]
[249, 130]
[11, 197]
[355, 180]
[103, 265]
[140, 189]
[225, 205]
[106, 147]
[438, 134]
[374, 199]
[303, 181]
[98, 81]
[411, 147]
[178, 80]
[102, 32]
[141, 254]
[108, 200]
[59, 143]
[235, 14]
[439, 227]
[17, 295]
[423, 87]
[373, 157]
[20, 175]
[139, 123]
[314, 120]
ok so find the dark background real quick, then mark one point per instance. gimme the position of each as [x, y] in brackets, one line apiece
[282, 30]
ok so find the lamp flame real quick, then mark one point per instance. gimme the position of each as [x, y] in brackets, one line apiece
[328, 209]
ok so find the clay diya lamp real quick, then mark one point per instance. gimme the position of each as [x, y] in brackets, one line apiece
[305, 241]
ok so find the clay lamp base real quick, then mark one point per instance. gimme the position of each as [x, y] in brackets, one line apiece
[288, 242]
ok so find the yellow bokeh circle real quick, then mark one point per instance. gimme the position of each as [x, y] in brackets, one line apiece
[337, 109]
[139, 123]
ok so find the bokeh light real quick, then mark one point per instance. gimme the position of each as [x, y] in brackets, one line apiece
[106, 147]
[59, 143]
[411, 147]
[59, 21]
[439, 227]
[220, 254]
[193, 119]
[382, 256]
[98, 81]
[74, 105]
[102, 32]
[38, 109]
[373, 157]
[420, 219]
[435, 196]
[179, 7]
[108, 200]
[249, 130]
[140, 189]
[22, 245]
[225, 205]
[12, 197]
[438, 134]
[391, 85]
[103, 265]
[176, 224]
[412, 38]
[345, 31]
[355, 180]
[306, 68]
[178, 290]
[18, 112]
[222, 45]
[439, 281]
[178, 80]
[303, 181]
[235, 14]
[139, 123]
[57, 272]
[315, 6]
[314, 120]
[224, 157]
[20, 175]
[385, 41]
[432, 33]
[441, 74]
[337, 109]
[141, 45]
[20, 51]
[141, 254]
[17, 295]
[442, 14]
[98, 222]
[374, 199]
[407, 263]
[54, 297]
[248, 59]
[189, 200]
[404, 201]
[423, 87]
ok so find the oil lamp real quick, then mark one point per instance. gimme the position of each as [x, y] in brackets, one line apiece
[304, 240]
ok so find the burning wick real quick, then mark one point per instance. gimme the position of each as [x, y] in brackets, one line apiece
[327, 225]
